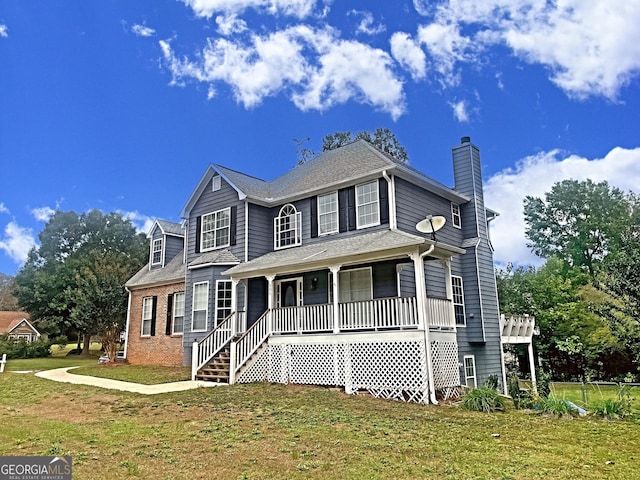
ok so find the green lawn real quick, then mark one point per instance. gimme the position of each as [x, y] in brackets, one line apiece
[287, 431]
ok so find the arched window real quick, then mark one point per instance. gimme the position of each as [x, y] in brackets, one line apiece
[288, 227]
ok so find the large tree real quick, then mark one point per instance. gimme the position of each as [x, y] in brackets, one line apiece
[382, 138]
[8, 301]
[579, 222]
[75, 278]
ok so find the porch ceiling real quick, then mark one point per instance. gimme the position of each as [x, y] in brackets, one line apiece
[373, 246]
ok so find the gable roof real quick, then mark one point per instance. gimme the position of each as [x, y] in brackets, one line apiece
[9, 321]
[169, 228]
[333, 169]
[172, 272]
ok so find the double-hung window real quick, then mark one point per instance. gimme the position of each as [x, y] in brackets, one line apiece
[156, 251]
[328, 213]
[354, 285]
[458, 299]
[147, 316]
[200, 307]
[288, 227]
[215, 229]
[456, 219]
[367, 205]
[223, 300]
[470, 371]
[178, 314]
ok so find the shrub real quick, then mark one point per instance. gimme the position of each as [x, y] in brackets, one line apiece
[543, 383]
[22, 349]
[521, 398]
[492, 382]
[613, 408]
[483, 399]
[554, 406]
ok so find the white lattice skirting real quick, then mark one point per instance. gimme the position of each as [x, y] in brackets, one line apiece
[386, 369]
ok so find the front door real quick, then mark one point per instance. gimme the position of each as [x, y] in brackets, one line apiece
[289, 292]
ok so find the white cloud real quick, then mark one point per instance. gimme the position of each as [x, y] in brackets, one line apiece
[229, 24]
[585, 44]
[312, 66]
[17, 241]
[295, 8]
[143, 30]
[43, 214]
[143, 223]
[4, 31]
[3, 208]
[535, 175]
[409, 55]
[460, 111]
[367, 24]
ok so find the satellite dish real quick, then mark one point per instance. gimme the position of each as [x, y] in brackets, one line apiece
[431, 224]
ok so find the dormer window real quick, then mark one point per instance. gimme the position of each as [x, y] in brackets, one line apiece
[156, 252]
[216, 183]
[288, 227]
[456, 220]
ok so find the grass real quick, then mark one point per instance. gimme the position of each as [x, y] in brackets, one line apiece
[287, 431]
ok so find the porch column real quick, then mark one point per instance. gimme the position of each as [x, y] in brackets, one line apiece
[270, 300]
[532, 367]
[446, 265]
[421, 296]
[234, 306]
[335, 284]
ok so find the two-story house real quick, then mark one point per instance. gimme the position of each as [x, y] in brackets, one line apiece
[351, 270]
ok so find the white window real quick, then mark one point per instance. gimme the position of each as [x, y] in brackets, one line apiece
[458, 299]
[354, 285]
[178, 314]
[223, 300]
[216, 183]
[156, 252]
[200, 307]
[147, 316]
[470, 371]
[455, 215]
[288, 227]
[216, 230]
[367, 205]
[328, 213]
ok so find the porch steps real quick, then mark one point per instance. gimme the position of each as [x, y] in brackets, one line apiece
[217, 370]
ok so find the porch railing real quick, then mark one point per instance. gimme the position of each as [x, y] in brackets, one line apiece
[440, 314]
[309, 318]
[382, 313]
[215, 340]
[248, 343]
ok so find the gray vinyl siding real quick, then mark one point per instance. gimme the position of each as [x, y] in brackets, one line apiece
[316, 293]
[407, 280]
[210, 202]
[173, 246]
[435, 279]
[414, 203]
[385, 280]
[260, 230]
[256, 299]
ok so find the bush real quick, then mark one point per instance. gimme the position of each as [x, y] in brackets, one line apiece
[554, 406]
[22, 349]
[483, 399]
[492, 382]
[613, 408]
[521, 398]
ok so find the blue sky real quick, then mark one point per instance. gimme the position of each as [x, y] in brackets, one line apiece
[121, 105]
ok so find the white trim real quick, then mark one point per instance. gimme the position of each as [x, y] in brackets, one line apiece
[149, 319]
[217, 308]
[475, 372]
[377, 203]
[215, 230]
[458, 304]
[216, 183]
[173, 313]
[193, 306]
[456, 215]
[334, 212]
[290, 213]
[277, 301]
[160, 251]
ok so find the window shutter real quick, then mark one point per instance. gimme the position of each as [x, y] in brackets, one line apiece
[198, 233]
[314, 217]
[384, 201]
[169, 313]
[232, 225]
[351, 207]
[154, 310]
[343, 217]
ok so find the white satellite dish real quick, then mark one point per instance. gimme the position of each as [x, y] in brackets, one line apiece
[431, 224]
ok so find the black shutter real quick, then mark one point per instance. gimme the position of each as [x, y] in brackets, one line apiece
[169, 313]
[314, 217]
[343, 216]
[198, 233]
[232, 225]
[154, 310]
[351, 207]
[384, 201]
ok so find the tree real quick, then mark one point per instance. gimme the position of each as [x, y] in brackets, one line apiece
[579, 222]
[8, 302]
[75, 278]
[382, 138]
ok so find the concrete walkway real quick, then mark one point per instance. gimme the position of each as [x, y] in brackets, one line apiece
[62, 375]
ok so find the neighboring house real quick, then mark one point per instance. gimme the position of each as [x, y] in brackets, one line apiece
[321, 277]
[156, 301]
[17, 325]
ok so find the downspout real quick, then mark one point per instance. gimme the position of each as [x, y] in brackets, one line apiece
[126, 329]
[393, 223]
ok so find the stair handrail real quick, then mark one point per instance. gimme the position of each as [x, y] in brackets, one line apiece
[215, 341]
[247, 344]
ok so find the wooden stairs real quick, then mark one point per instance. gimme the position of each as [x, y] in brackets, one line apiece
[217, 369]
